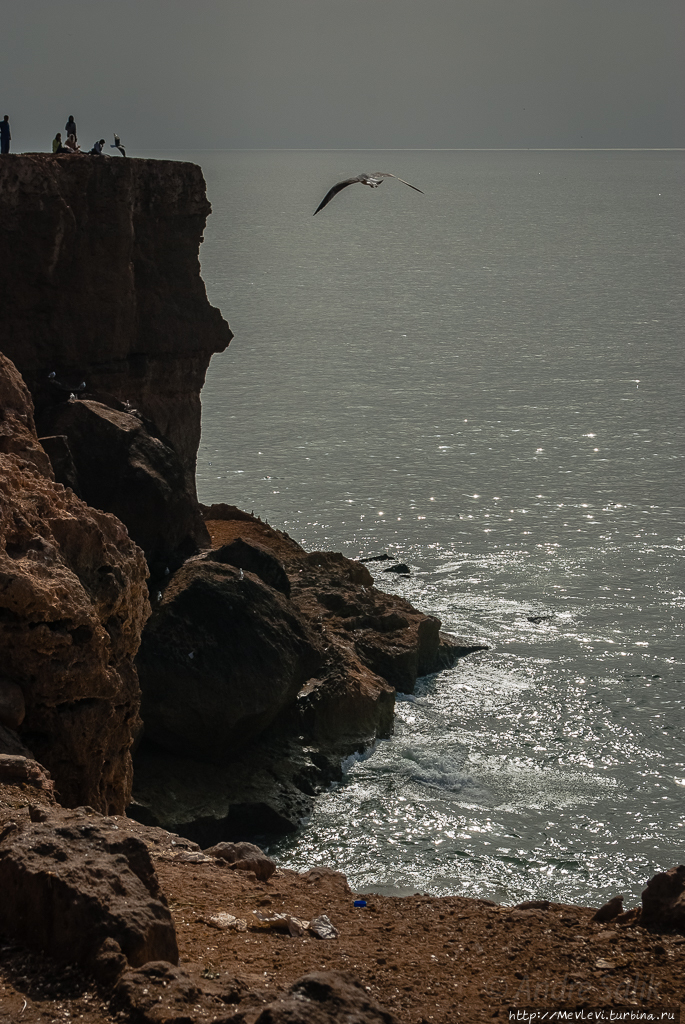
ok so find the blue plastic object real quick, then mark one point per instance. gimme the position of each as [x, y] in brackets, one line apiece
[360, 903]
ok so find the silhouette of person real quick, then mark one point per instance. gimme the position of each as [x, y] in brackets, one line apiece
[58, 146]
[5, 134]
[70, 127]
[97, 148]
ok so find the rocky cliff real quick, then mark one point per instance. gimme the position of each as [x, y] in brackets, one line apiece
[100, 278]
[73, 602]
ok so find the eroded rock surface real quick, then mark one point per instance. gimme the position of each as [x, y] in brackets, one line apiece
[221, 656]
[27, 776]
[118, 464]
[244, 857]
[71, 883]
[663, 901]
[17, 427]
[326, 997]
[161, 994]
[106, 288]
[375, 642]
[73, 601]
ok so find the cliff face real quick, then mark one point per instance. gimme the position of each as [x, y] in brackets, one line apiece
[101, 281]
[73, 602]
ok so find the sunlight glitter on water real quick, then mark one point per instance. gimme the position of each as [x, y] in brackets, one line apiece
[508, 395]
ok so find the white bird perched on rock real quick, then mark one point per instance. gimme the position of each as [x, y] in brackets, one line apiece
[372, 180]
[117, 145]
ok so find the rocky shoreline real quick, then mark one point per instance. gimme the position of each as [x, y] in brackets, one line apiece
[190, 670]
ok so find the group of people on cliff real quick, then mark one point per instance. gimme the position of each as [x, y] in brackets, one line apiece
[70, 145]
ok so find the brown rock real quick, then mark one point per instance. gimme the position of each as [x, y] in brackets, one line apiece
[16, 770]
[326, 997]
[244, 857]
[109, 963]
[73, 601]
[258, 794]
[68, 886]
[608, 911]
[57, 449]
[222, 655]
[161, 994]
[327, 878]
[347, 706]
[123, 468]
[663, 901]
[219, 663]
[253, 558]
[106, 288]
[376, 642]
[17, 429]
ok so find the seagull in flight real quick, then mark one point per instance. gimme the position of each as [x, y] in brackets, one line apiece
[117, 145]
[372, 180]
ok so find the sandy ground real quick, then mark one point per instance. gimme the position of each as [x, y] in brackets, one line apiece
[426, 959]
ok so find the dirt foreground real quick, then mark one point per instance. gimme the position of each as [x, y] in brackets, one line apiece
[423, 959]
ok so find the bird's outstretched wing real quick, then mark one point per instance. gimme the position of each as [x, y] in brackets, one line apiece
[387, 174]
[123, 153]
[334, 191]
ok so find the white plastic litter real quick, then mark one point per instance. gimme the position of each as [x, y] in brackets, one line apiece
[323, 928]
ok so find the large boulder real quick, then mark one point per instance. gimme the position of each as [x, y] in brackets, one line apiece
[123, 468]
[377, 642]
[244, 857]
[663, 901]
[222, 655]
[253, 558]
[69, 885]
[222, 661]
[73, 601]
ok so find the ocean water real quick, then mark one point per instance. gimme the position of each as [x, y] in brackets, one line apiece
[485, 381]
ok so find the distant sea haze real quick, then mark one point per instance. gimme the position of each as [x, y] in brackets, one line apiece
[484, 381]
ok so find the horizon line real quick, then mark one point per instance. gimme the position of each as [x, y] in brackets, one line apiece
[423, 149]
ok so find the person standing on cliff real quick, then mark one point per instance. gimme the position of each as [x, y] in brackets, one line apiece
[5, 134]
[70, 127]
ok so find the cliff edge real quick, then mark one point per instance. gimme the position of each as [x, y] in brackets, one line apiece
[101, 282]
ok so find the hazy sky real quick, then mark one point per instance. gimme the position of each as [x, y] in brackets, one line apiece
[212, 74]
